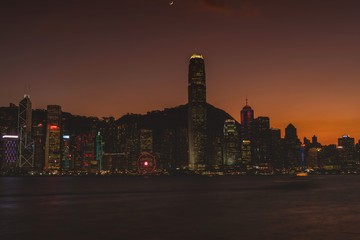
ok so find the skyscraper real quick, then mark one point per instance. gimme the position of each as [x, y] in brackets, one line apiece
[247, 117]
[10, 155]
[315, 142]
[346, 147]
[53, 141]
[66, 155]
[197, 113]
[261, 140]
[276, 158]
[39, 133]
[230, 143]
[262, 124]
[291, 134]
[292, 148]
[91, 165]
[26, 144]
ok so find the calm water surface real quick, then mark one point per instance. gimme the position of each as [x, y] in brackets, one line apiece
[314, 207]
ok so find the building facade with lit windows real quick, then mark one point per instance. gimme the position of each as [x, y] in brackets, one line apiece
[197, 113]
[146, 141]
[247, 118]
[246, 156]
[66, 154]
[39, 133]
[230, 143]
[26, 143]
[91, 164]
[53, 153]
[346, 148]
[10, 152]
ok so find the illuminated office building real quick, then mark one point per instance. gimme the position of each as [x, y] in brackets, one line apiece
[91, 164]
[245, 152]
[230, 143]
[53, 153]
[346, 147]
[197, 113]
[66, 155]
[146, 141]
[9, 155]
[247, 118]
[26, 143]
[39, 134]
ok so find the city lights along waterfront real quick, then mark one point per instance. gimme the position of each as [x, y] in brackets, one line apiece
[188, 172]
[191, 119]
[196, 138]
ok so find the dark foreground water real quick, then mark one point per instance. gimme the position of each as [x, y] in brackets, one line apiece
[314, 207]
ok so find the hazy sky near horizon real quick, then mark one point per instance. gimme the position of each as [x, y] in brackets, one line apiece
[296, 61]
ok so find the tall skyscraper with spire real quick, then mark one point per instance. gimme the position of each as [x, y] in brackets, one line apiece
[247, 117]
[197, 113]
[26, 144]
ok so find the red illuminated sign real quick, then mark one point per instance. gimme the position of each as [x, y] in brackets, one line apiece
[53, 127]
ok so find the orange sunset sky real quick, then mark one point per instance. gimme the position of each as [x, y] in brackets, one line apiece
[296, 61]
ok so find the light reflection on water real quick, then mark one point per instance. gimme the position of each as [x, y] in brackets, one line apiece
[316, 207]
[8, 202]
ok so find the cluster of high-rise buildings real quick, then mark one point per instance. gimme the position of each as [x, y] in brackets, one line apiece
[44, 141]
[193, 137]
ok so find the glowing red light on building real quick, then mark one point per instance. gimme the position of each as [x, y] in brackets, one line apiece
[53, 127]
[146, 163]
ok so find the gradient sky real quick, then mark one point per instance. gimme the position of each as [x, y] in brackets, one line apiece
[297, 61]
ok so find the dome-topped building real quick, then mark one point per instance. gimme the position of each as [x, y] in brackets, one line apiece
[247, 117]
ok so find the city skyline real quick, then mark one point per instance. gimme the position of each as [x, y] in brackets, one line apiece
[179, 119]
[301, 71]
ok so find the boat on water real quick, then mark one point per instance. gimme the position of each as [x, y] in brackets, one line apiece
[302, 174]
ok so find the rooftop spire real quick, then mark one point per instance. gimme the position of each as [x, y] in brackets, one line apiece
[27, 90]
